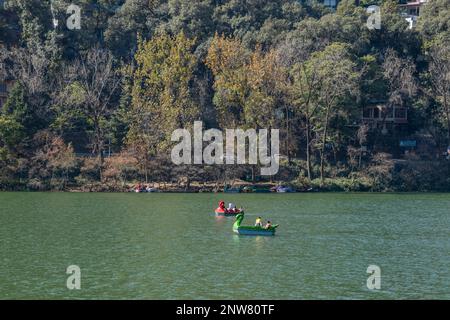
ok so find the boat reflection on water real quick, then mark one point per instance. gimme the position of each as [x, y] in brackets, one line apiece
[256, 244]
[221, 220]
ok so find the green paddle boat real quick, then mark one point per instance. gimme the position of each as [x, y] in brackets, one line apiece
[252, 230]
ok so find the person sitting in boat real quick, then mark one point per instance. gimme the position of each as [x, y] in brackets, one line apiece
[221, 207]
[258, 222]
[231, 207]
[268, 225]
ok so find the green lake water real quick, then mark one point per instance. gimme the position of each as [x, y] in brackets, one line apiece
[171, 246]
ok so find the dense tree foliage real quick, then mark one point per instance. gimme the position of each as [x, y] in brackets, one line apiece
[96, 105]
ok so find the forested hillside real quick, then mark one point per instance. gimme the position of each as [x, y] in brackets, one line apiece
[93, 108]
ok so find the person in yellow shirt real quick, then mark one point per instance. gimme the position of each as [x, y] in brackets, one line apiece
[258, 222]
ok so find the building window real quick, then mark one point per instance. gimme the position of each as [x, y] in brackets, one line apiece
[3, 88]
[414, 12]
[367, 113]
[400, 113]
[376, 113]
[389, 113]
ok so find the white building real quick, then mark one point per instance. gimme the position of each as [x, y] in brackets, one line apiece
[411, 11]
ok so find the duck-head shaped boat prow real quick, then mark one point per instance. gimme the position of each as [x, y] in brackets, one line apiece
[252, 230]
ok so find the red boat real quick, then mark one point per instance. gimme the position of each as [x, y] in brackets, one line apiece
[227, 212]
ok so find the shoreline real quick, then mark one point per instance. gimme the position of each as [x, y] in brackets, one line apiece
[193, 192]
[175, 191]
[392, 181]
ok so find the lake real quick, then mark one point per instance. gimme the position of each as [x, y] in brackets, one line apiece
[171, 246]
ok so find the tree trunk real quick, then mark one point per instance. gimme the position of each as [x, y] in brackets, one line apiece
[322, 152]
[98, 145]
[308, 155]
[288, 153]
[447, 111]
[146, 171]
[188, 184]
[360, 157]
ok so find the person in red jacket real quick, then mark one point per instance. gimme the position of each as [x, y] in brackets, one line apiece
[221, 207]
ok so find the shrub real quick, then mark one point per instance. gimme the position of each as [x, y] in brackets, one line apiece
[120, 169]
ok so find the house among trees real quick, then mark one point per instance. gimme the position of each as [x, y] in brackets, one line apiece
[411, 11]
[378, 116]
